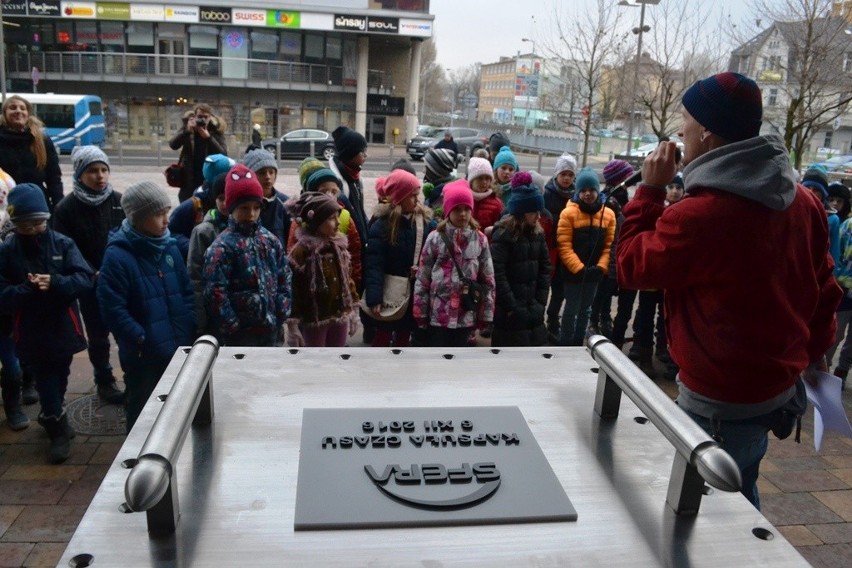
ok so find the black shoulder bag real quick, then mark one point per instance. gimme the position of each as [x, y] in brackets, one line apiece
[472, 291]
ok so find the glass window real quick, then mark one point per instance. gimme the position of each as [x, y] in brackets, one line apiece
[314, 46]
[263, 44]
[86, 34]
[203, 38]
[140, 34]
[112, 35]
[291, 45]
[334, 48]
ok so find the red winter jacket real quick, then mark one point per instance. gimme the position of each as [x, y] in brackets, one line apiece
[487, 211]
[749, 294]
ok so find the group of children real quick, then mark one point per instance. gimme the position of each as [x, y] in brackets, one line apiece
[495, 253]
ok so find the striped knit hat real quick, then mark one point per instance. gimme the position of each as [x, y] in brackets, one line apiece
[84, 156]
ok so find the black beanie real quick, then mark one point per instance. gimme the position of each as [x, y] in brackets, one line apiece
[497, 141]
[348, 143]
[217, 188]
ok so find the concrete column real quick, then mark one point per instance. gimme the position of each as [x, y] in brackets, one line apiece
[361, 91]
[412, 108]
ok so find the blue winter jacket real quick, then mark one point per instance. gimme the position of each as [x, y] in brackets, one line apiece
[146, 299]
[46, 323]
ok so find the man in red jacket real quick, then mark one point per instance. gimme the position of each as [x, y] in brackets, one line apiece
[743, 260]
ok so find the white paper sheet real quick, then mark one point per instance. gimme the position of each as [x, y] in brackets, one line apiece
[827, 399]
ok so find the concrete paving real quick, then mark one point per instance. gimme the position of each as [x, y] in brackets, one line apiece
[807, 496]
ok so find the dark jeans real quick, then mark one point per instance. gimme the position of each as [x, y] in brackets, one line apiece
[575, 318]
[602, 304]
[98, 336]
[557, 296]
[448, 337]
[643, 325]
[622, 315]
[141, 379]
[51, 381]
[746, 441]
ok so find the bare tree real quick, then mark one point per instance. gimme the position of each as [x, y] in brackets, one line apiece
[587, 39]
[432, 79]
[807, 70]
[679, 52]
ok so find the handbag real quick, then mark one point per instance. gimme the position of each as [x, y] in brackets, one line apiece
[396, 290]
[174, 175]
[471, 290]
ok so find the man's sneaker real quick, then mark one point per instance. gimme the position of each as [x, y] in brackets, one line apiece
[111, 393]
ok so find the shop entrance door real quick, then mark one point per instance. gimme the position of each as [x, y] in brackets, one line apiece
[171, 56]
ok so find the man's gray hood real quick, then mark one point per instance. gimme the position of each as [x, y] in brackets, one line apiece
[758, 169]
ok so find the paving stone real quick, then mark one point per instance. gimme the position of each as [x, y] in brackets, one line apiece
[766, 487]
[796, 509]
[827, 556]
[37, 472]
[843, 474]
[13, 554]
[106, 452]
[841, 461]
[21, 492]
[40, 523]
[81, 492]
[45, 554]
[789, 448]
[799, 535]
[838, 501]
[798, 464]
[807, 480]
[833, 533]
[95, 471]
[8, 514]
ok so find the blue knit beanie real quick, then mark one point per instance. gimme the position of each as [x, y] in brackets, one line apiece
[728, 104]
[26, 202]
[505, 156]
[526, 196]
[586, 178]
[816, 177]
[320, 176]
[215, 165]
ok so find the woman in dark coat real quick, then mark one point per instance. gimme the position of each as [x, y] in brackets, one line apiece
[201, 136]
[521, 268]
[26, 152]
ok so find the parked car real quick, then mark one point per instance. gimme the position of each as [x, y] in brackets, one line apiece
[603, 133]
[834, 163]
[637, 156]
[297, 144]
[648, 138]
[842, 173]
[464, 138]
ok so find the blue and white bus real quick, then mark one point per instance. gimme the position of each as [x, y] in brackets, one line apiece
[69, 120]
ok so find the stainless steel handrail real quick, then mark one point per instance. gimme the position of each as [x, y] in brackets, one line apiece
[698, 457]
[151, 486]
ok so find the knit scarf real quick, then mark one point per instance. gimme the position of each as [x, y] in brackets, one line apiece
[563, 193]
[480, 195]
[89, 197]
[352, 172]
[146, 245]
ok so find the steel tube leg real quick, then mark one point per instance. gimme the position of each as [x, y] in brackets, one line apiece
[607, 396]
[686, 487]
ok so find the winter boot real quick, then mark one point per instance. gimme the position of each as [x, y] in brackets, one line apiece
[634, 351]
[57, 428]
[663, 354]
[110, 392]
[29, 394]
[553, 331]
[11, 386]
[644, 358]
[606, 326]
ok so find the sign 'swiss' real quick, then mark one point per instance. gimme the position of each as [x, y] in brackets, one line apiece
[398, 467]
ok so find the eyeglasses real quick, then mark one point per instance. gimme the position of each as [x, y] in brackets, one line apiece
[28, 226]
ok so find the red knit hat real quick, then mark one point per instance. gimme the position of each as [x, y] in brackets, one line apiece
[397, 186]
[241, 185]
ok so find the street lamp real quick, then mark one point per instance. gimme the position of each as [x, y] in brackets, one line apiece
[638, 31]
[527, 115]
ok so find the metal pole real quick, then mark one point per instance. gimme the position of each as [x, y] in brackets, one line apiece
[2, 57]
[635, 81]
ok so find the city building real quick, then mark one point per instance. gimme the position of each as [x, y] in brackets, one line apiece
[283, 65]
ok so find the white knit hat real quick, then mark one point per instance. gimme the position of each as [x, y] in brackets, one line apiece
[565, 162]
[477, 167]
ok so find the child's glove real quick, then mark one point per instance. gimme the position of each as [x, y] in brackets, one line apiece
[353, 322]
[294, 334]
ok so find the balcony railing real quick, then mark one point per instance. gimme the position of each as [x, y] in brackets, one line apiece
[184, 69]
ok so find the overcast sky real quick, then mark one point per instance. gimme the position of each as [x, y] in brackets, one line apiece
[470, 31]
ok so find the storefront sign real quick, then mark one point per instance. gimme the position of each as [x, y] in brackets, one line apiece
[215, 15]
[113, 11]
[43, 8]
[147, 12]
[78, 9]
[187, 14]
[14, 7]
[406, 467]
[383, 25]
[282, 19]
[350, 23]
[249, 17]
[416, 28]
[385, 106]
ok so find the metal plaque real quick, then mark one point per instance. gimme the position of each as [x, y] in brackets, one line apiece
[414, 467]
